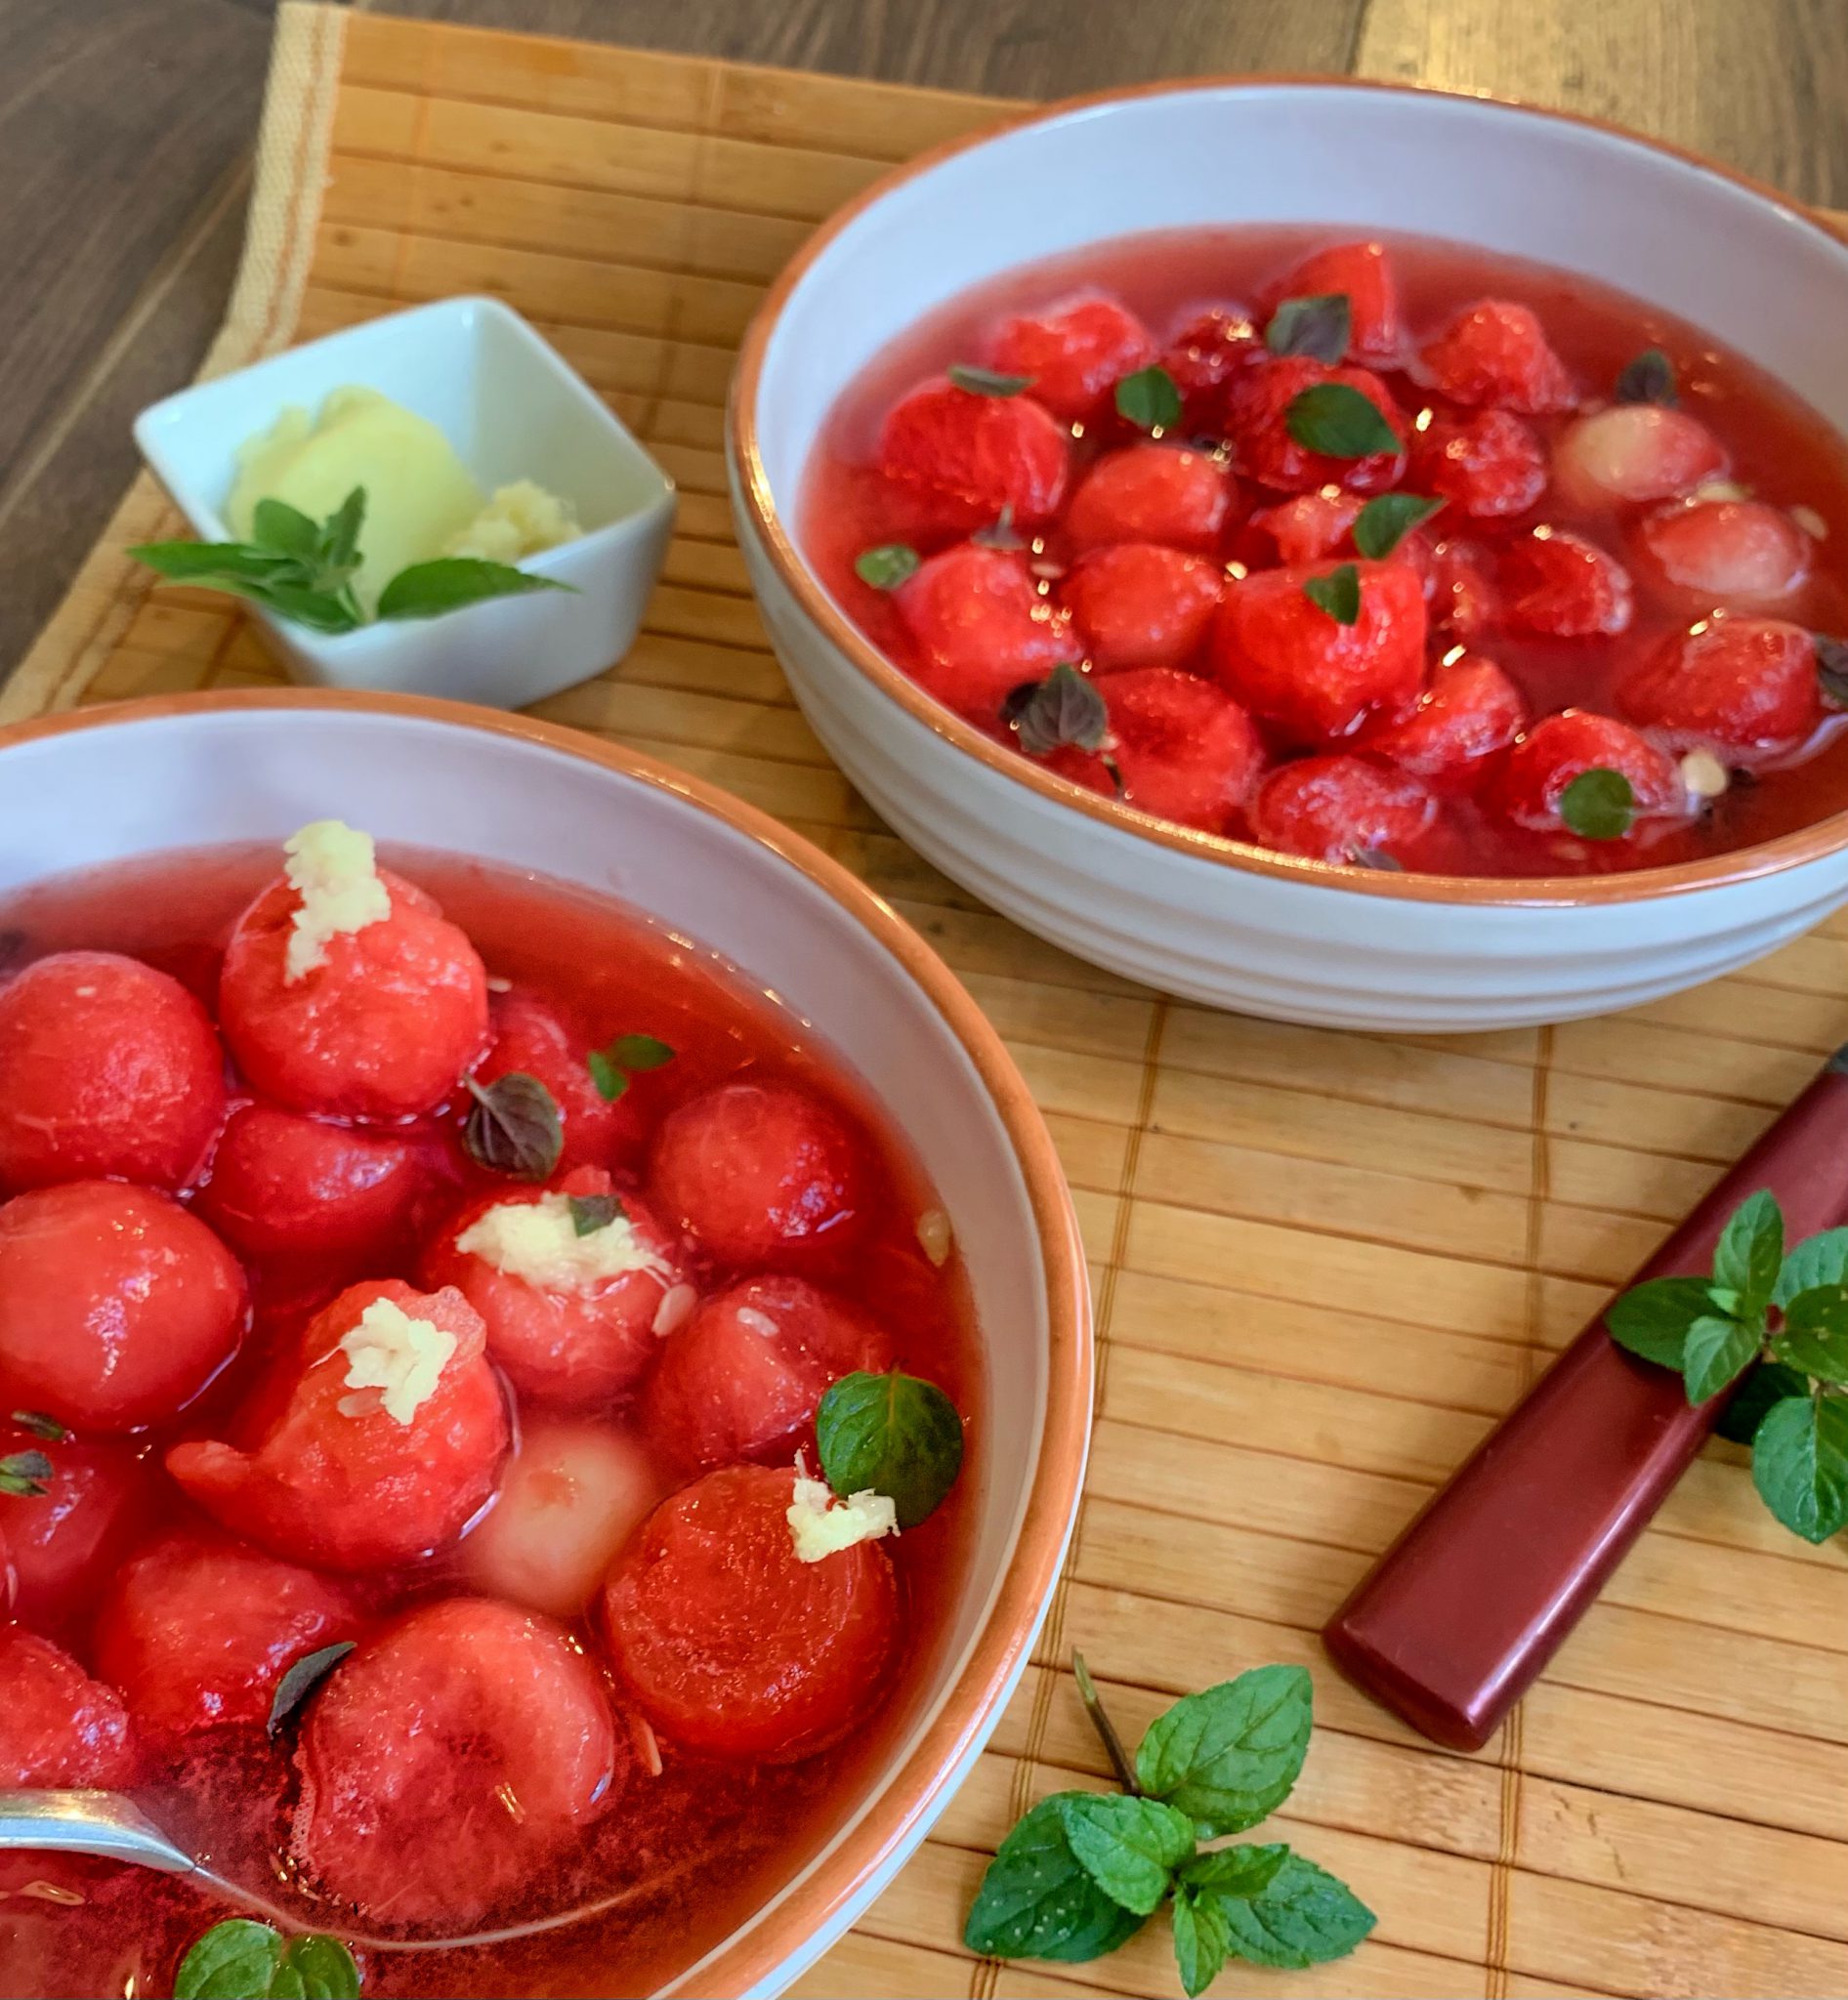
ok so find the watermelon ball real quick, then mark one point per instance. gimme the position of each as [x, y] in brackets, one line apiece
[762, 1172]
[112, 1071]
[447, 1761]
[199, 1632]
[743, 1377]
[346, 991]
[116, 1306]
[65, 1541]
[730, 1642]
[58, 1727]
[375, 1442]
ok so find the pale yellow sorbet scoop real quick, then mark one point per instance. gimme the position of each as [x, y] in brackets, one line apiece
[420, 500]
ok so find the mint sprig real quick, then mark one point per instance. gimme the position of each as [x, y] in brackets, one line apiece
[1775, 1322]
[242, 1959]
[1083, 1871]
[304, 572]
[892, 1434]
[614, 1069]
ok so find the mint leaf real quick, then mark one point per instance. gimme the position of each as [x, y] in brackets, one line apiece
[1750, 1258]
[1129, 1847]
[1228, 1757]
[1037, 1900]
[1767, 1384]
[1200, 1939]
[24, 1474]
[427, 590]
[1339, 421]
[886, 566]
[203, 562]
[1799, 1464]
[514, 1126]
[610, 1081]
[1815, 1336]
[1599, 805]
[1065, 707]
[1149, 400]
[988, 381]
[1818, 1260]
[1387, 520]
[1247, 1870]
[1718, 1352]
[339, 548]
[1338, 594]
[42, 1425]
[285, 530]
[638, 1053]
[593, 1212]
[1302, 1916]
[302, 1680]
[1318, 325]
[234, 1960]
[893, 1435]
[1652, 1319]
[323, 1967]
[1650, 378]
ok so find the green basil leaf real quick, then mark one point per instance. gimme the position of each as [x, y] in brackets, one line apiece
[1718, 1352]
[1651, 1320]
[234, 1960]
[1302, 1916]
[1818, 1260]
[886, 566]
[610, 1081]
[302, 1679]
[1815, 1336]
[1339, 421]
[1064, 708]
[986, 381]
[339, 544]
[1200, 1939]
[322, 1965]
[514, 1126]
[1319, 325]
[1599, 805]
[1799, 1464]
[891, 1434]
[1767, 1384]
[1149, 400]
[1338, 594]
[1129, 1847]
[593, 1212]
[1228, 1757]
[24, 1474]
[1750, 1258]
[638, 1053]
[285, 530]
[427, 590]
[42, 1425]
[1037, 1900]
[1650, 378]
[1387, 520]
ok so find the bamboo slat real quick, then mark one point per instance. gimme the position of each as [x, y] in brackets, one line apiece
[1324, 1262]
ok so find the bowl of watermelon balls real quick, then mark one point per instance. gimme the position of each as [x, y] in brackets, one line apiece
[1327, 550]
[544, 1358]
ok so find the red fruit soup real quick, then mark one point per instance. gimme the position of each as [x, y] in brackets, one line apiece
[501, 1381]
[1397, 507]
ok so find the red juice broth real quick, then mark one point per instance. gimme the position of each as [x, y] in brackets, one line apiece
[702, 1845]
[1779, 448]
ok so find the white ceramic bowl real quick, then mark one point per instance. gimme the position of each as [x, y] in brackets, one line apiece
[1217, 919]
[108, 785]
[513, 408]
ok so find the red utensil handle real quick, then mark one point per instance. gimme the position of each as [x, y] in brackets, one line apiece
[1468, 1605]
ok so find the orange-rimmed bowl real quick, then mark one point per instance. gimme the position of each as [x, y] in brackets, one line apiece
[1219, 920]
[114, 784]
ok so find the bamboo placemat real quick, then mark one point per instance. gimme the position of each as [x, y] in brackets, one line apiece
[1324, 1262]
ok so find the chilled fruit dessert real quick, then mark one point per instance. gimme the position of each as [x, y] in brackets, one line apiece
[483, 1408]
[1390, 553]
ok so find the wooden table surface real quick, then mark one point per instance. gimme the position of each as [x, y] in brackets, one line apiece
[126, 128]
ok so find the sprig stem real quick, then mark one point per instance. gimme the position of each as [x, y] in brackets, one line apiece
[1106, 1729]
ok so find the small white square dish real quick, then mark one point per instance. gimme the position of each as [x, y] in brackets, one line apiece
[513, 409]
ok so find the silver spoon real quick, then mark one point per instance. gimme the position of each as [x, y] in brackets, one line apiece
[115, 1828]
